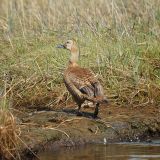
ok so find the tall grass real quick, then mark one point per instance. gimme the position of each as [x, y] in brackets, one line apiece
[119, 39]
[8, 136]
[9, 130]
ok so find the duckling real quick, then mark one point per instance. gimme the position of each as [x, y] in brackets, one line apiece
[82, 83]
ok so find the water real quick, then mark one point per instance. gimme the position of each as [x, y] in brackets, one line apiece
[120, 151]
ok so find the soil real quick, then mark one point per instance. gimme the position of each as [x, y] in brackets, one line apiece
[51, 129]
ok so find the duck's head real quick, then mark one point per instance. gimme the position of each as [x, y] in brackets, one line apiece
[69, 45]
[72, 47]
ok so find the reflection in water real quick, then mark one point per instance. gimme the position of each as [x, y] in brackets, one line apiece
[121, 151]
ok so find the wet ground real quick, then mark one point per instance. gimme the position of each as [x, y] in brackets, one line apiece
[47, 130]
[119, 151]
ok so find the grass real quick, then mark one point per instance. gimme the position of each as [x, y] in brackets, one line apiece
[9, 130]
[8, 136]
[119, 40]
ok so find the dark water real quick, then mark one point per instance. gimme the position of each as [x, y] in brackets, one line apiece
[120, 151]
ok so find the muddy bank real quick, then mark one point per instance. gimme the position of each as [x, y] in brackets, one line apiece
[49, 130]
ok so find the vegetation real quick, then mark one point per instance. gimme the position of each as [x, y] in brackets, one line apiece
[9, 131]
[8, 136]
[119, 40]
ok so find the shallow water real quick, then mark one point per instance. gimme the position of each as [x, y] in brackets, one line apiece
[120, 151]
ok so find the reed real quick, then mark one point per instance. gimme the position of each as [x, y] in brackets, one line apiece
[9, 130]
[8, 136]
[119, 39]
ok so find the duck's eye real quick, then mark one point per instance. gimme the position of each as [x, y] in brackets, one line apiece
[67, 42]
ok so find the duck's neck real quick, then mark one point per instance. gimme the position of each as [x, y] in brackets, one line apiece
[74, 56]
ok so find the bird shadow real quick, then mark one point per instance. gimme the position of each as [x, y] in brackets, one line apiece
[83, 114]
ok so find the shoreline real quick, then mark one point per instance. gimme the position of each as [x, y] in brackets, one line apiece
[51, 130]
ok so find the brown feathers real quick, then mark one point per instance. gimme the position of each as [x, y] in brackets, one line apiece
[82, 82]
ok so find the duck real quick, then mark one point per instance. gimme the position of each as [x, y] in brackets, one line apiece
[81, 83]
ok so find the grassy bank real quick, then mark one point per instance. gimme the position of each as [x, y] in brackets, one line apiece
[119, 40]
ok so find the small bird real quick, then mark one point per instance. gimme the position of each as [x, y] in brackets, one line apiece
[82, 83]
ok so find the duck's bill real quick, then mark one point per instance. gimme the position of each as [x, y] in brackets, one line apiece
[60, 46]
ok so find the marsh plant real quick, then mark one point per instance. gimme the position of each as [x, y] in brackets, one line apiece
[118, 39]
[9, 130]
[8, 136]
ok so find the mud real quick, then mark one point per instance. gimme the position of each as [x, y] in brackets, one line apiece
[51, 129]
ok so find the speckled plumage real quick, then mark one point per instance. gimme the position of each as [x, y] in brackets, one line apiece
[82, 82]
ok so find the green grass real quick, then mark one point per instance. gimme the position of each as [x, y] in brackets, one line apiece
[119, 40]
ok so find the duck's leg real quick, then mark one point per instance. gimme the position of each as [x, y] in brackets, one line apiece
[96, 111]
[79, 113]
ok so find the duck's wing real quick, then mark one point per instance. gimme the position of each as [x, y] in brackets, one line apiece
[84, 80]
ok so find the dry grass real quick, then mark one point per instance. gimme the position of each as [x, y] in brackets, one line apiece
[9, 130]
[8, 136]
[119, 39]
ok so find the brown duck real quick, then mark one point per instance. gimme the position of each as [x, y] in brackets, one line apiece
[81, 82]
